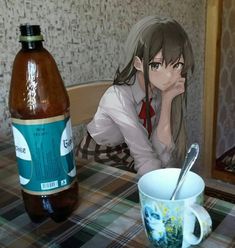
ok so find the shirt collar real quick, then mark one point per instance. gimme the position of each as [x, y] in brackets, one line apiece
[138, 92]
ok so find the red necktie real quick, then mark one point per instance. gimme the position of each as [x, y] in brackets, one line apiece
[143, 114]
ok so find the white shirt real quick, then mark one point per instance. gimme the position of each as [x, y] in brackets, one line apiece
[117, 121]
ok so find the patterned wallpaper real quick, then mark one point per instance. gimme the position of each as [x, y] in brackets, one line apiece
[86, 39]
[226, 101]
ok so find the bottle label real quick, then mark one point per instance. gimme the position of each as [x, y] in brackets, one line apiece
[44, 151]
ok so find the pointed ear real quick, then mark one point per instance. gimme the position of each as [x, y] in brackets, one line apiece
[138, 64]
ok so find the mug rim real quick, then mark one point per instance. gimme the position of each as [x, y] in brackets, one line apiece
[168, 200]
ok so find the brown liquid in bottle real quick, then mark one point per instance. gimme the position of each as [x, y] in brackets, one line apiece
[37, 92]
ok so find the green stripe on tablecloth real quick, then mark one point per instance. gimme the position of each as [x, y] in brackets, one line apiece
[134, 197]
[97, 223]
[218, 210]
[223, 206]
[99, 226]
[14, 213]
[85, 173]
[6, 199]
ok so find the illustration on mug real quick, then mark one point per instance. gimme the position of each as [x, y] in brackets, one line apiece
[164, 225]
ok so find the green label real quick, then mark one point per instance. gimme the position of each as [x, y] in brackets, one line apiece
[44, 151]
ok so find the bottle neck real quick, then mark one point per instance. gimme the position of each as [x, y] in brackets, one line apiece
[31, 45]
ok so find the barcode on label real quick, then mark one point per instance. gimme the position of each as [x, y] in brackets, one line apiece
[49, 185]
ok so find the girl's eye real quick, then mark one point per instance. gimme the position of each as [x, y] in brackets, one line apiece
[178, 66]
[155, 65]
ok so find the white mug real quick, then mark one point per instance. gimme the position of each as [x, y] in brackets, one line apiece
[171, 223]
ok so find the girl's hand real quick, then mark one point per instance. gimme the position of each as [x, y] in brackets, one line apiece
[176, 89]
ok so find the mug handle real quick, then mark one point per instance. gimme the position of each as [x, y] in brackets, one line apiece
[205, 223]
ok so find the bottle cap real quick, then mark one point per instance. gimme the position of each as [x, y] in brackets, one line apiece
[30, 33]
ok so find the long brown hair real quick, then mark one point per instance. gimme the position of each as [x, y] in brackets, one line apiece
[146, 38]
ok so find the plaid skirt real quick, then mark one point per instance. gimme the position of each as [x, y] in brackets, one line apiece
[117, 156]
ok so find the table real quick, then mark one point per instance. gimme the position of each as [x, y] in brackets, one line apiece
[108, 215]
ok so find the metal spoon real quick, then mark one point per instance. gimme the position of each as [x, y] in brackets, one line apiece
[189, 160]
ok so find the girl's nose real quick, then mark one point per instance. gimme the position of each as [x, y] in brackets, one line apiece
[169, 73]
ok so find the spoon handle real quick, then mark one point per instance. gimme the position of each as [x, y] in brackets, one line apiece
[190, 158]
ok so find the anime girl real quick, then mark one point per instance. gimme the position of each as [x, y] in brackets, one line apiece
[140, 119]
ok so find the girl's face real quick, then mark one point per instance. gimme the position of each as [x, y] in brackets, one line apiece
[162, 76]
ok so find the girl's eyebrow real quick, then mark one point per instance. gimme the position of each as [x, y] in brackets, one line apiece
[157, 58]
[179, 60]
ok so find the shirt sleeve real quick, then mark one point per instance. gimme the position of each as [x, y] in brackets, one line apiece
[164, 152]
[119, 106]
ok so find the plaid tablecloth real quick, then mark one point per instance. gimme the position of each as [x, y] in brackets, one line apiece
[108, 215]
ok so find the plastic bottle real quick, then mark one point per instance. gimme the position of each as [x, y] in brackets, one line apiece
[39, 107]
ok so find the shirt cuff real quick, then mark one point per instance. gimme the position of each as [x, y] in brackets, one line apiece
[164, 153]
[147, 167]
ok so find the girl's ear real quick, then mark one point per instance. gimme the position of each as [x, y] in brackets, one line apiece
[138, 64]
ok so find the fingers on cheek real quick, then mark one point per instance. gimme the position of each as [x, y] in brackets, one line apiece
[181, 81]
[180, 88]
